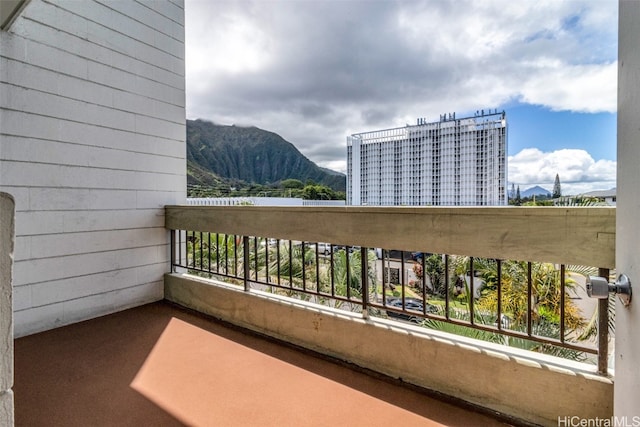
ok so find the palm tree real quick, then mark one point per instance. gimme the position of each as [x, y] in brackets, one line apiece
[214, 254]
[546, 302]
[546, 293]
[522, 343]
[346, 272]
[294, 263]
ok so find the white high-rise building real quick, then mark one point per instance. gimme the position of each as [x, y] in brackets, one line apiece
[451, 162]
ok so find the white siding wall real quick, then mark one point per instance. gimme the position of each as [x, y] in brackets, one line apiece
[92, 146]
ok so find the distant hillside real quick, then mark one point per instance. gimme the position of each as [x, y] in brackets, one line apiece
[221, 153]
[537, 191]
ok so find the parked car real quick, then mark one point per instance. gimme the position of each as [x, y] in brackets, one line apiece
[270, 241]
[324, 248]
[410, 304]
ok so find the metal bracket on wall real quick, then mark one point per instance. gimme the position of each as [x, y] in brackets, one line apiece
[599, 287]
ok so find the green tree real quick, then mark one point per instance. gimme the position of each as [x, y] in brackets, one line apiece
[218, 253]
[291, 183]
[293, 264]
[546, 293]
[546, 302]
[434, 271]
[557, 192]
[320, 192]
[347, 271]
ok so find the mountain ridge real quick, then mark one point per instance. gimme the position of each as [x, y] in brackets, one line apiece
[223, 153]
[535, 191]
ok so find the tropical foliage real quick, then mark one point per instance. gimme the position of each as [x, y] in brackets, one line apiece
[289, 268]
[545, 303]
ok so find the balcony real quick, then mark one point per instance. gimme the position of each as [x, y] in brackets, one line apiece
[224, 265]
[253, 347]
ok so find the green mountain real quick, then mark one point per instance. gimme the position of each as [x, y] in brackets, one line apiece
[233, 155]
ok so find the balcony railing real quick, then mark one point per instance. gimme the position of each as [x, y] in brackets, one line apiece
[510, 279]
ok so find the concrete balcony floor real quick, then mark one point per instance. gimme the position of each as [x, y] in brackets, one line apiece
[161, 365]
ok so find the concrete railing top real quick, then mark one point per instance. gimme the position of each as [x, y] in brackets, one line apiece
[563, 235]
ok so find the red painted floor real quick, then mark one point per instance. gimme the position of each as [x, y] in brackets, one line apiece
[159, 365]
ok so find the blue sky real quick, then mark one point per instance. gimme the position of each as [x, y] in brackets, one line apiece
[534, 126]
[316, 71]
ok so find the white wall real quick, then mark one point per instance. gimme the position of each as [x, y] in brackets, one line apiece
[627, 399]
[92, 146]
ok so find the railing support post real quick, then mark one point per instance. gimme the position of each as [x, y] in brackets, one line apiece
[603, 329]
[172, 267]
[364, 275]
[246, 261]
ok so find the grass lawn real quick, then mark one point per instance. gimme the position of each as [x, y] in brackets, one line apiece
[453, 303]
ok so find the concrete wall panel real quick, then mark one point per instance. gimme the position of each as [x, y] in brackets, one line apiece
[536, 389]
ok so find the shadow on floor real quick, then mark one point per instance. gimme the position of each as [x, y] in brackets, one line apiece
[162, 365]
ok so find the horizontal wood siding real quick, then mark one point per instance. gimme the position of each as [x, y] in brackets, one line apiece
[92, 146]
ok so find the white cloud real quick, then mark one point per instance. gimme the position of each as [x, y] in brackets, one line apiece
[584, 88]
[316, 71]
[577, 170]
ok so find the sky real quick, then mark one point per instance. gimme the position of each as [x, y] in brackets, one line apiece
[316, 71]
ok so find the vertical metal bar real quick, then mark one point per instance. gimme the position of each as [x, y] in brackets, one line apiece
[471, 292]
[266, 260]
[187, 251]
[217, 252]
[226, 254]
[499, 267]
[304, 268]
[562, 297]
[209, 244]
[235, 255]
[402, 279]
[278, 257]
[179, 246]
[290, 264]
[247, 267]
[364, 276]
[348, 266]
[256, 247]
[332, 270]
[201, 254]
[424, 283]
[603, 329]
[193, 249]
[529, 298]
[172, 237]
[186, 248]
[447, 281]
[385, 275]
[317, 270]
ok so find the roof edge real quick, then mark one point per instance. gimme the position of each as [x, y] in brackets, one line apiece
[9, 11]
